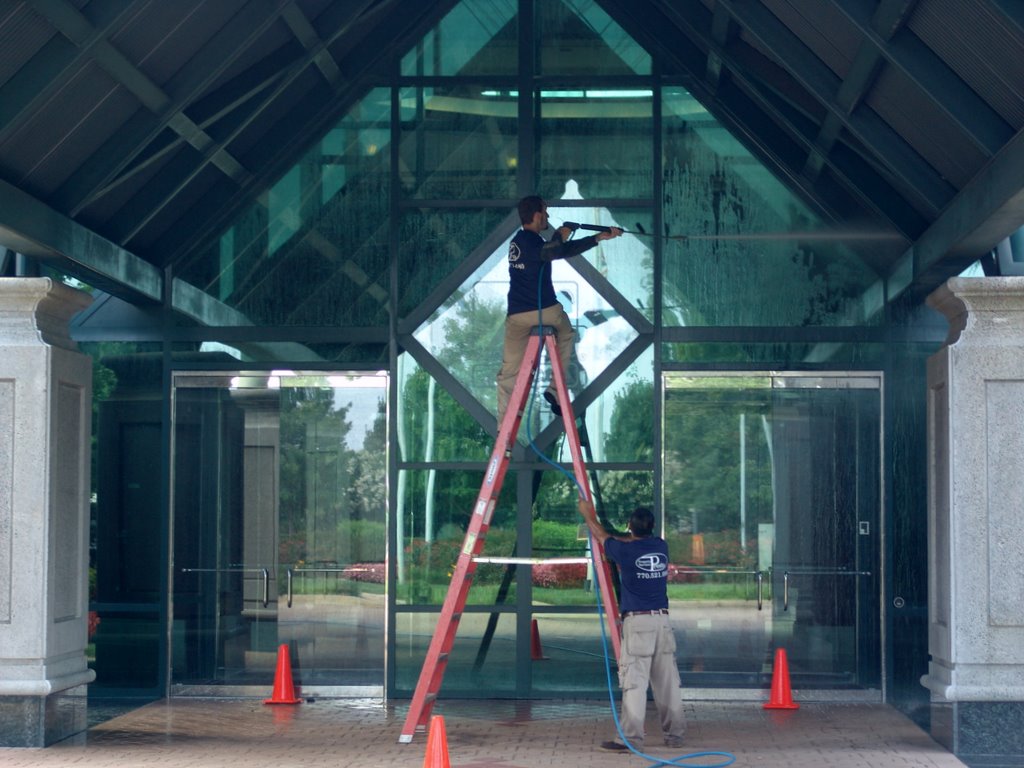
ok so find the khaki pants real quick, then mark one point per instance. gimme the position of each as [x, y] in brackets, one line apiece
[648, 655]
[518, 329]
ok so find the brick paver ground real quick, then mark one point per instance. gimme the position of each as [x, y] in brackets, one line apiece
[245, 733]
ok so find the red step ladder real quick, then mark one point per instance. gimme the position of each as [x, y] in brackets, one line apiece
[441, 643]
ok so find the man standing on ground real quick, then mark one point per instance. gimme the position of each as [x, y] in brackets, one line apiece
[648, 653]
[531, 293]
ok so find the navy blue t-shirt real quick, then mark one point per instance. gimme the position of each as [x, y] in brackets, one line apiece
[643, 571]
[529, 261]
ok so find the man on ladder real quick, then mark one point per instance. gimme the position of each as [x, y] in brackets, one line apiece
[553, 333]
[531, 292]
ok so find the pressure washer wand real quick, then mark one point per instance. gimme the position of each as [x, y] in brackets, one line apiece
[824, 235]
[601, 228]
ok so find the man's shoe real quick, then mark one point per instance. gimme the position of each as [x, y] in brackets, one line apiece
[613, 746]
[673, 741]
[553, 402]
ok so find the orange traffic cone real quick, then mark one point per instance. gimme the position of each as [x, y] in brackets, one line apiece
[536, 652]
[781, 697]
[284, 691]
[437, 745]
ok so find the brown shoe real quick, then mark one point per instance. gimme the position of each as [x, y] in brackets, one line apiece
[614, 746]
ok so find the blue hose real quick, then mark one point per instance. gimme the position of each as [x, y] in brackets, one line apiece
[729, 757]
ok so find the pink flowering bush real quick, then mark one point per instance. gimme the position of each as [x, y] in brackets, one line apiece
[559, 575]
[369, 573]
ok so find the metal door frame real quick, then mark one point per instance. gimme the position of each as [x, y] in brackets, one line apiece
[817, 379]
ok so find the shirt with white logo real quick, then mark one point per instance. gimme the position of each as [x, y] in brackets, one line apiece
[643, 572]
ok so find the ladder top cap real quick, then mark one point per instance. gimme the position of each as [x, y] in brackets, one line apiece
[544, 330]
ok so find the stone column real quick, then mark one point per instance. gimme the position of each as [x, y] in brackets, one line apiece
[45, 407]
[976, 520]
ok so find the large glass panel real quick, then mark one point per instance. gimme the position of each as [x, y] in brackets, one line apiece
[477, 37]
[127, 561]
[741, 248]
[280, 503]
[601, 138]
[577, 37]
[619, 425]
[458, 142]
[432, 427]
[482, 661]
[772, 514]
[434, 508]
[313, 249]
[434, 242]
[466, 333]
[778, 354]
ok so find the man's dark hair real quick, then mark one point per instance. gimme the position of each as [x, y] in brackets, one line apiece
[528, 206]
[641, 522]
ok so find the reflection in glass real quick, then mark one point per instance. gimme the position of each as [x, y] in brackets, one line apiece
[465, 334]
[744, 260]
[477, 37]
[602, 139]
[779, 354]
[126, 560]
[435, 242]
[280, 507]
[434, 507]
[482, 660]
[579, 37]
[431, 425]
[771, 494]
[458, 142]
[312, 250]
[619, 424]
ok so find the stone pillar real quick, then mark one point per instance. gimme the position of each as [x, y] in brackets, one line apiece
[976, 521]
[45, 407]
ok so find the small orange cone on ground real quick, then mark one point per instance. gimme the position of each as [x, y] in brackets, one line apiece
[781, 697]
[437, 745]
[536, 652]
[284, 689]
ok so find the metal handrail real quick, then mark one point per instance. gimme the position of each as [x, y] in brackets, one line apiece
[292, 571]
[264, 572]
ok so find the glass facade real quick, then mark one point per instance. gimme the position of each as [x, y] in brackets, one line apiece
[279, 518]
[292, 457]
[772, 488]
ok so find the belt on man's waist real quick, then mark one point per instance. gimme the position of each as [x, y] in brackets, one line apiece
[655, 612]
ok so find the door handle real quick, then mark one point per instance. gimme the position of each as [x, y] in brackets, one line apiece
[785, 591]
[760, 589]
[263, 572]
[290, 573]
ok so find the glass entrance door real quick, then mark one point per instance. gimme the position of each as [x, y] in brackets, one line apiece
[279, 505]
[772, 498]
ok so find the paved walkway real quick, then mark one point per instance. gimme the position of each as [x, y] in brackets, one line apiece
[246, 733]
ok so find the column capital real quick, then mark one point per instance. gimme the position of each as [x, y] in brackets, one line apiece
[990, 310]
[36, 310]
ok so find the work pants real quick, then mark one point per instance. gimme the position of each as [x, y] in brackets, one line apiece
[648, 656]
[518, 329]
